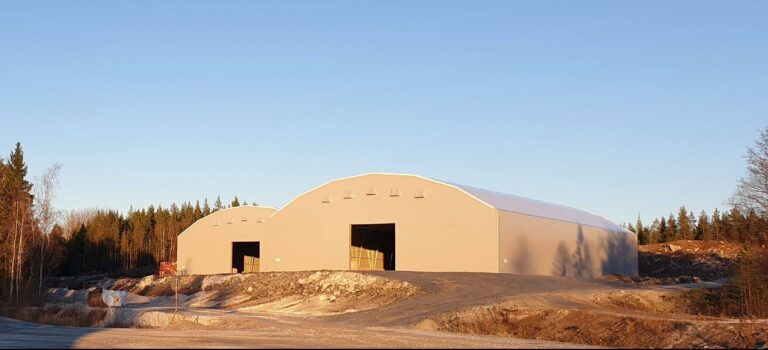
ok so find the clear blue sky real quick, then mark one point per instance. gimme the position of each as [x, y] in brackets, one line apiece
[618, 107]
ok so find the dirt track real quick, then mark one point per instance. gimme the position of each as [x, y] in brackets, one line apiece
[17, 334]
[398, 324]
[451, 291]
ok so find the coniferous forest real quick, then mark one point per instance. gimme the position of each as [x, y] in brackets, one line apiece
[733, 225]
[38, 241]
[746, 221]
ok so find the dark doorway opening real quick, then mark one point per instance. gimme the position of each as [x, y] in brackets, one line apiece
[245, 257]
[372, 247]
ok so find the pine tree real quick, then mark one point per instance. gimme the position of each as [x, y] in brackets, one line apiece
[654, 233]
[673, 230]
[735, 227]
[206, 207]
[17, 170]
[217, 204]
[685, 224]
[717, 225]
[15, 192]
[56, 249]
[726, 226]
[235, 203]
[664, 235]
[198, 211]
[703, 231]
[751, 230]
[642, 233]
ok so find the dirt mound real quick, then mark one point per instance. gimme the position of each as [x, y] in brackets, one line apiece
[707, 260]
[634, 320]
[246, 290]
[306, 293]
[652, 281]
[326, 292]
[87, 281]
[72, 315]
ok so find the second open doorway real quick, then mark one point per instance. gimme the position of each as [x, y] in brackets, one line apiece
[372, 247]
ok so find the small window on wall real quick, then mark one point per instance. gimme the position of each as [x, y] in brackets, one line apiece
[420, 193]
[394, 192]
[349, 195]
[326, 199]
[371, 191]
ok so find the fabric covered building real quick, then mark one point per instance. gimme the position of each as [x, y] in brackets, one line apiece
[408, 223]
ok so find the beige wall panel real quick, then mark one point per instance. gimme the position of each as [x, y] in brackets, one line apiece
[206, 246]
[447, 230]
[541, 246]
[444, 231]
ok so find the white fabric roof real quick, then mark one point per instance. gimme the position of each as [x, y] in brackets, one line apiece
[522, 205]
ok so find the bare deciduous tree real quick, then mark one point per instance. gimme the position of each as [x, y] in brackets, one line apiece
[75, 218]
[44, 213]
[752, 191]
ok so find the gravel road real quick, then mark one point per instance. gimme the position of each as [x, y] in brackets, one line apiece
[18, 334]
[391, 326]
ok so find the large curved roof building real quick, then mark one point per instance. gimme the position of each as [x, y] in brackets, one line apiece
[409, 223]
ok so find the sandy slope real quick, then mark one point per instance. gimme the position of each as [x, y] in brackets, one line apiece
[412, 309]
[17, 334]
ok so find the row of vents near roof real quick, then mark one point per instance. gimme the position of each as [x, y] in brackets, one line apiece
[259, 220]
[393, 192]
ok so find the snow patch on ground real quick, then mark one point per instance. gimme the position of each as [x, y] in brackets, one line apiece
[212, 280]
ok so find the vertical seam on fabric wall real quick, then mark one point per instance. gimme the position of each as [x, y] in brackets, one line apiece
[498, 240]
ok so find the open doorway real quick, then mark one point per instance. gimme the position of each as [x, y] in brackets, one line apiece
[245, 257]
[372, 247]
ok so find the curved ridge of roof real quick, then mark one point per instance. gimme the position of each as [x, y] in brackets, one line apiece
[501, 201]
[528, 206]
[222, 211]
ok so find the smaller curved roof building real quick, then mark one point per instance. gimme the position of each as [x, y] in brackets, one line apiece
[412, 223]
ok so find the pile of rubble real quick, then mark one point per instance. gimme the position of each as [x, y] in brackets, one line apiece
[688, 260]
[240, 290]
[329, 285]
[652, 281]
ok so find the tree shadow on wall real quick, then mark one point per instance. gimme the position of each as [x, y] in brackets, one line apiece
[622, 254]
[522, 260]
[562, 265]
[576, 264]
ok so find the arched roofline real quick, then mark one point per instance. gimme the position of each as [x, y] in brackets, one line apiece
[610, 226]
[221, 211]
[385, 174]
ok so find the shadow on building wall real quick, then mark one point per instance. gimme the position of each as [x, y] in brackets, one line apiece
[620, 256]
[522, 257]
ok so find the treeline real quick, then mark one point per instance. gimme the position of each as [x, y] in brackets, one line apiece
[734, 225]
[24, 220]
[746, 293]
[34, 246]
[106, 241]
